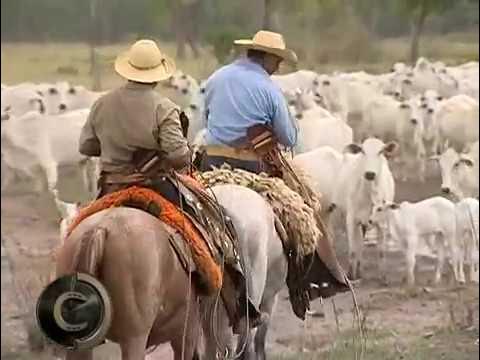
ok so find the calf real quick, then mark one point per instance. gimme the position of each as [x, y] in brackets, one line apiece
[430, 223]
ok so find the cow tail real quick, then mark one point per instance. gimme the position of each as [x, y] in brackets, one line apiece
[89, 255]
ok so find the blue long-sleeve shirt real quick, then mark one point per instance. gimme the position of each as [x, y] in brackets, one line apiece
[240, 95]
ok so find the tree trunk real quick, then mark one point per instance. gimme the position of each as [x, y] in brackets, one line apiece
[417, 29]
[270, 21]
[94, 66]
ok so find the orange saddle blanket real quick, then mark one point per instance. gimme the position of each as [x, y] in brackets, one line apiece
[154, 203]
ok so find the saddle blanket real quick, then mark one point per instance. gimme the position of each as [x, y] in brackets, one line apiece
[148, 200]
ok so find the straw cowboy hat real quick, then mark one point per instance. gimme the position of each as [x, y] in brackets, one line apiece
[144, 62]
[269, 42]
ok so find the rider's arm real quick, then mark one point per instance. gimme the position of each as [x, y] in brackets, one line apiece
[172, 144]
[89, 145]
[283, 126]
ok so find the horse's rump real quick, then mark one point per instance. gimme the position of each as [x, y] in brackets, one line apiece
[187, 241]
[308, 249]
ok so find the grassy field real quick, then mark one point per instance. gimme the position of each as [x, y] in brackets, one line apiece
[70, 61]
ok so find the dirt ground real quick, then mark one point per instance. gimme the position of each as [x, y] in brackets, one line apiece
[419, 324]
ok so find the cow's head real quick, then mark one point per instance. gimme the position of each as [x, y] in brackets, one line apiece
[457, 169]
[372, 156]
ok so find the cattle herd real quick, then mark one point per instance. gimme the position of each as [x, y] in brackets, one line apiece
[358, 134]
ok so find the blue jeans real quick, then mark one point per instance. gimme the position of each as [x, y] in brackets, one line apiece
[217, 161]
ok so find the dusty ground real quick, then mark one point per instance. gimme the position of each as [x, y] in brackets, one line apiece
[420, 324]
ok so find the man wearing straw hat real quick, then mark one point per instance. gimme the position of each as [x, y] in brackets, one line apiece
[138, 136]
[247, 117]
[241, 96]
[135, 117]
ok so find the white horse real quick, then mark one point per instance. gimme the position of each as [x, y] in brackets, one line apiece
[265, 261]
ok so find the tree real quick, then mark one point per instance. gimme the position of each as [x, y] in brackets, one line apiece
[270, 17]
[418, 11]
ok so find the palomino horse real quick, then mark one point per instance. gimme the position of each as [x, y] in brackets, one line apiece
[129, 252]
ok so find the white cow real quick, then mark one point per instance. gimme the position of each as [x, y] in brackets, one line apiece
[55, 96]
[36, 142]
[423, 77]
[317, 127]
[354, 182]
[68, 212]
[429, 103]
[331, 90]
[184, 85]
[467, 234]
[18, 100]
[391, 120]
[346, 97]
[302, 100]
[195, 111]
[457, 122]
[79, 97]
[302, 79]
[459, 172]
[429, 223]
[319, 164]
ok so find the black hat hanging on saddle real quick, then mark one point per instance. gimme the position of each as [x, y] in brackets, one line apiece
[74, 312]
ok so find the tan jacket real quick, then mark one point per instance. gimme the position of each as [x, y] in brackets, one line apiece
[130, 118]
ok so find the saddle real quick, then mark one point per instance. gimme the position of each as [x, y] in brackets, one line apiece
[205, 215]
[312, 277]
[193, 251]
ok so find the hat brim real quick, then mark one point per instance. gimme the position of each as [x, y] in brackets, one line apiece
[285, 54]
[162, 72]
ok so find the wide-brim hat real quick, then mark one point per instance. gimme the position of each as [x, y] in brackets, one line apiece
[144, 62]
[269, 42]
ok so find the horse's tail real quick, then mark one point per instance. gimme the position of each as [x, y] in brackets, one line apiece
[84, 324]
[89, 255]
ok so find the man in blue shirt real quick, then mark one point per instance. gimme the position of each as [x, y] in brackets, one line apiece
[241, 95]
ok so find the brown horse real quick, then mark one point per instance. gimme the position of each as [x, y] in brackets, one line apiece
[153, 301]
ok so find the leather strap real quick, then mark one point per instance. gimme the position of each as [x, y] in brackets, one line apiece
[230, 152]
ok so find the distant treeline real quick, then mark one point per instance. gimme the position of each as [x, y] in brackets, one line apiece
[45, 20]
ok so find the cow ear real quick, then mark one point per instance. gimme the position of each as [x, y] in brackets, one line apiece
[353, 149]
[390, 149]
[393, 206]
[466, 161]
[41, 105]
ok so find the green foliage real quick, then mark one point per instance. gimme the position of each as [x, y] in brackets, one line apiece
[414, 7]
[60, 20]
